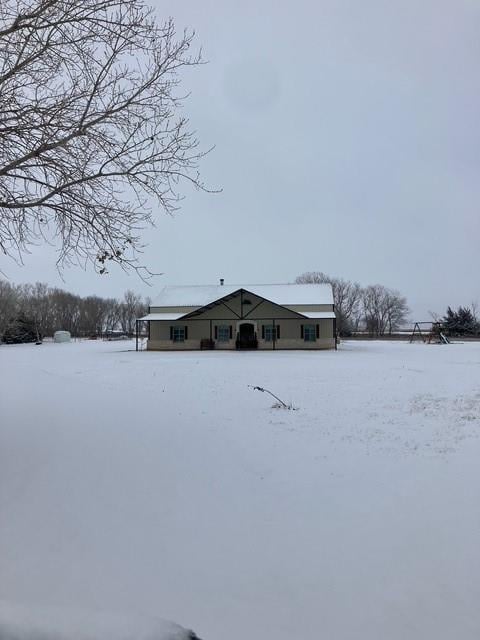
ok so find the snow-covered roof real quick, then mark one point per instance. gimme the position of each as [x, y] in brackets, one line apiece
[313, 315]
[282, 294]
[318, 315]
[162, 316]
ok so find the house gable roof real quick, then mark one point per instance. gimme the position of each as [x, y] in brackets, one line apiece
[282, 294]
[243, 293]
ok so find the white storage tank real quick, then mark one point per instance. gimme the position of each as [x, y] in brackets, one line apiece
[62, 336]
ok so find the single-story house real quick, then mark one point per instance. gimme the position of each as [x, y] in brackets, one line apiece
[272, 316]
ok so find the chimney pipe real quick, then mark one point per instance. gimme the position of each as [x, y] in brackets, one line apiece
[222, 281]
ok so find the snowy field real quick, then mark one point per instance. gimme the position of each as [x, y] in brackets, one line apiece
[160, 485]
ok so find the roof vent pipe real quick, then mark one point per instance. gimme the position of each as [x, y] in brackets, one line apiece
[222, 281]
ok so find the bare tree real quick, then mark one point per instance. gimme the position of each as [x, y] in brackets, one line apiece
[131, 308]
[397, 310]
[346, 297]
[66, 311]
[374, 310]
[90, 138]
[35, 305]
[384, 309]
[93, 314]
[112, 315]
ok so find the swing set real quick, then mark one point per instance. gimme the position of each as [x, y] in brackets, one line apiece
[429, 333]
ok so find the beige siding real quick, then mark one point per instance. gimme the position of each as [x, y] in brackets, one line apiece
[273, 311]
[197, 331]
[290, 334]
[292, 330]
[232, 309]
[222, 312]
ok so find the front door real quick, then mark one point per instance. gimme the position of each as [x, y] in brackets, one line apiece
[246, 337]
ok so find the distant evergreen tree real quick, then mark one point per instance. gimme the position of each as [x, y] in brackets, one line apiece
[450, 321]
[20, 330]
[461, 322]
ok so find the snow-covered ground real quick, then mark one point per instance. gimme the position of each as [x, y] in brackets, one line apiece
[159, 484]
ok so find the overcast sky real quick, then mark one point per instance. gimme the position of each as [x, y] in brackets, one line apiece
[347, 141]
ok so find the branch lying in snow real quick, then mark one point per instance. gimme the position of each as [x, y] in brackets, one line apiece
[20, 622]
[280, 404]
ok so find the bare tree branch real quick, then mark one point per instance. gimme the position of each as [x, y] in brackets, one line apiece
[91, 140]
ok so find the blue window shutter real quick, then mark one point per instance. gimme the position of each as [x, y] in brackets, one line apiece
[278, 331]
[231, 332]
[301, 330]
[171, 333]
[216, 332]
[318, 331]
[186, 333]
[263, 332]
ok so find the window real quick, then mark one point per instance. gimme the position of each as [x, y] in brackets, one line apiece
[309, 333]
[269, 331]
[178, 334]
[224, 333]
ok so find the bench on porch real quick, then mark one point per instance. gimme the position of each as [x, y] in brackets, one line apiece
[206, 343]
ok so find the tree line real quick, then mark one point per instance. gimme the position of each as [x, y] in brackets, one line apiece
[376, 309]
[40, 310]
